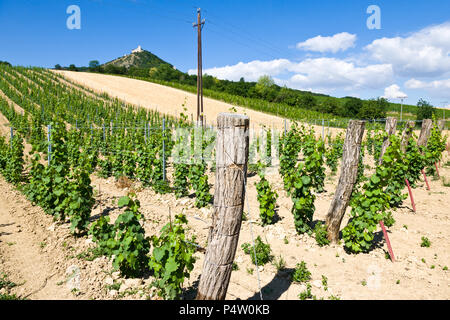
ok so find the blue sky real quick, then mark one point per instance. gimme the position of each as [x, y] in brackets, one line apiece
[410, 54]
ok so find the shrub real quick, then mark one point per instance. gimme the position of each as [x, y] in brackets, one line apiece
[172, 259]
[301, 273]
[263, 251]
[320, 232]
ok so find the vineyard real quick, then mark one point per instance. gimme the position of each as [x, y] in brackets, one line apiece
[115, 201]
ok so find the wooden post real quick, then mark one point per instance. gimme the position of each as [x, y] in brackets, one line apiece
[427, 124]
[441, 125]
[231, 174]
[406, 135]
[391, 124]
[347, 179]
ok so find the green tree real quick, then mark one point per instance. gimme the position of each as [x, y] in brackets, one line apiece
[264, 85]
[307, 101]
[373, 109]
[72, 68]
[352, 107]
[93, 65]
[58, 67]
[424, 110]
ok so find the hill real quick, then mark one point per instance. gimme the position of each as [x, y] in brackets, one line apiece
[142, 59]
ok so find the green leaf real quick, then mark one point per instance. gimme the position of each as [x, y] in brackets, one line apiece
[124, 201]
[171, 265]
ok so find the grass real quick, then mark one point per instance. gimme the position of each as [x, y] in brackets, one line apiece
[279, 263]
[5, 283]
[114, 286]
[306, 294]
[301, 273]
[445, 182]
[90, 255]
[320, 232]
[425, 242]
[325, 282]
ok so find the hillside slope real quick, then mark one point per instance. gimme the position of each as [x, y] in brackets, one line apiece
[164, 99]
[142, 60]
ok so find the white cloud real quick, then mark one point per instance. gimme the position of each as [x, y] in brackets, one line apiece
[335, 73]
[339, 42]
[251, 71]
[322, 75]
[436, 88]
[393, 92]
[422, 53]
[438, 85]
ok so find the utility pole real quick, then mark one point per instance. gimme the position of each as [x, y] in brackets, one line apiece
[199, 26]
[401, 110]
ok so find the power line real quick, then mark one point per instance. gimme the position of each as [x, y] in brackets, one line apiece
[239, 42]
[246, 37]
[240, 31]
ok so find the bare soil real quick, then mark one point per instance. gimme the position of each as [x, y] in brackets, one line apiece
[47, 262]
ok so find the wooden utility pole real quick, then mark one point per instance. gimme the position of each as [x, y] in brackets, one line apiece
[347, 179]
[199, 26]
[232, 146]
[391, 125]
[425, 132]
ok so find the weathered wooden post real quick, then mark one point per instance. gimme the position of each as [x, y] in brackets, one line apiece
[391, 125]
[347, 179]
[406, 135]
[427, 124]
[232, 149]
